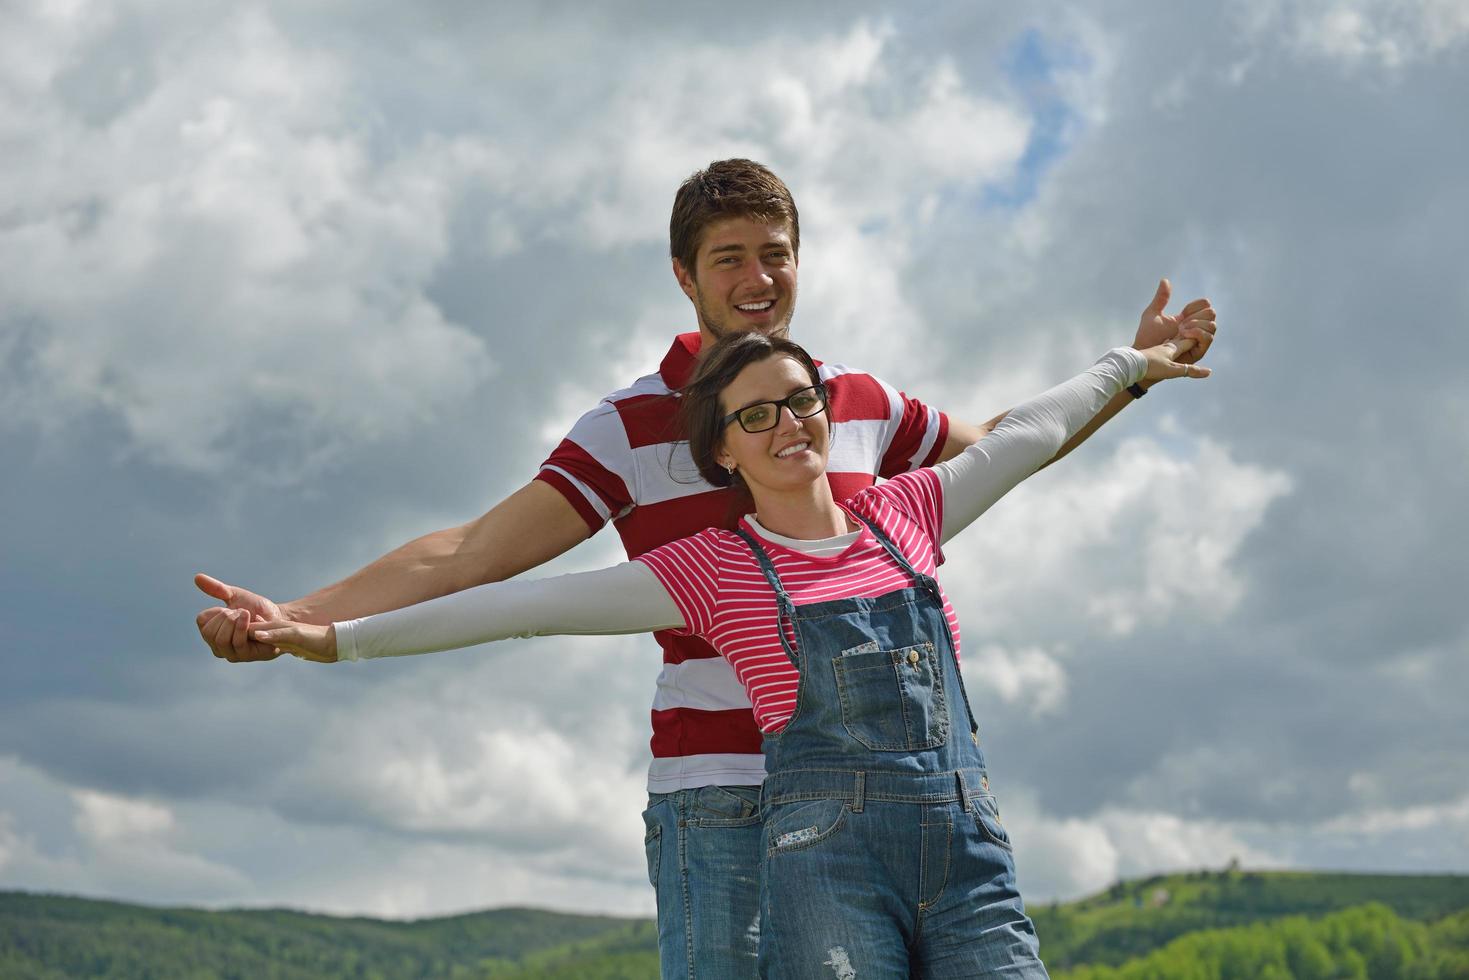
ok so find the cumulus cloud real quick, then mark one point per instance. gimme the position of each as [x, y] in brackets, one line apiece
[838, 112]
[1376, 33]
[224, 246]
[106, 844]
[441, 765]
[1029, 676]
[133, 848]
[107, 819]
[1382, 820]
[1082, 855]
[1148, 536]
[131, 839]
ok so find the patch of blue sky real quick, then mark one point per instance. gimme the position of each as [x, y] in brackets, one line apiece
[1031, 64]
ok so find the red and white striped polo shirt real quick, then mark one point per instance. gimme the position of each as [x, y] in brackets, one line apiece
[626, 461]
[717, 584]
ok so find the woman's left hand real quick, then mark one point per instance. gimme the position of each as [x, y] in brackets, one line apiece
[316, 643]
[1164, 362]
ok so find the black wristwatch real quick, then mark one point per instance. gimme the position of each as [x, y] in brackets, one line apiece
[1136, 390]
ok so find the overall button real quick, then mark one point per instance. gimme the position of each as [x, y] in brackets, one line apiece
[913, 656]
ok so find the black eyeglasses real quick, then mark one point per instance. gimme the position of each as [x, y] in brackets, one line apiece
[765, 415]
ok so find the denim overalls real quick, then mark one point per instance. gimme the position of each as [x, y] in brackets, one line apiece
[884, 853]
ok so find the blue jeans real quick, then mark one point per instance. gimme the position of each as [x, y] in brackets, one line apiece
[925, 890]
[704, 849]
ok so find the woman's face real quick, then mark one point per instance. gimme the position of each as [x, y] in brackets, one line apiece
[788, 456]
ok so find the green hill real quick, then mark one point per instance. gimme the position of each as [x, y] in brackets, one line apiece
[56, 937]
[1368, 942]
[1136, 917]
[1216, 925]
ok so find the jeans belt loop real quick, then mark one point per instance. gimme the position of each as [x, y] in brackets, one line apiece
[859, 791]
[963, 789]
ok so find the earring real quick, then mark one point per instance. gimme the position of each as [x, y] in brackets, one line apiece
[729, 468]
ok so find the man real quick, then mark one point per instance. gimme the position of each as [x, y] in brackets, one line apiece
[735, 240]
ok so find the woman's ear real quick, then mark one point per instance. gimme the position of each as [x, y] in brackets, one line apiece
[722, 458]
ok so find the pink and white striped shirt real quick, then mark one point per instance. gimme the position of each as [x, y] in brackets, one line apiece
[723, 596]
[628, 461]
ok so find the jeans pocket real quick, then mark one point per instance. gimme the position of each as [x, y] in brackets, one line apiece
[795, 826]
[987, 817]
[726, 806]
[893, 700]
[653, 847]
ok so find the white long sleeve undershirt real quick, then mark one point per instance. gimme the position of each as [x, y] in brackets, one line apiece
[627, 598]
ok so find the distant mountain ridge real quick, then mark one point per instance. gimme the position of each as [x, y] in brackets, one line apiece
[1228, 924]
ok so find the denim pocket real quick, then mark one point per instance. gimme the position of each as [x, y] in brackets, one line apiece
[893, 700]
[794, 826]
[726, 806]
[653, 847]
[987, 817]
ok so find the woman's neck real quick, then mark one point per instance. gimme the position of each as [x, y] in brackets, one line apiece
[807, 514]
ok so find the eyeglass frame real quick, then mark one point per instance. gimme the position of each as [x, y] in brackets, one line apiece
[819, 387]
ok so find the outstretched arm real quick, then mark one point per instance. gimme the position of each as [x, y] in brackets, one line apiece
[625, 598]
[1031, 433]
[1197, 321]
[531, 526]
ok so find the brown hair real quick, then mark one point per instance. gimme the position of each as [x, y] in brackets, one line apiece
[727, 189]
[702, 410]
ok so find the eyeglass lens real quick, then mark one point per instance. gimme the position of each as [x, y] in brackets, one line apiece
[803, 404]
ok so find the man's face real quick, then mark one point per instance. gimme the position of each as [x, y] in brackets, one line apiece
[744, 278]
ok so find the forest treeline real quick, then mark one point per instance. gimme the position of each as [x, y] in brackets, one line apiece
[1199, 926]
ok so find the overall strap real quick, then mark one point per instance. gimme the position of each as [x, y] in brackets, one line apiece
[932, 585]
[783, 605]
[924, 581]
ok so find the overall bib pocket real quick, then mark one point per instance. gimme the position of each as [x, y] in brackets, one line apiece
[893, 700]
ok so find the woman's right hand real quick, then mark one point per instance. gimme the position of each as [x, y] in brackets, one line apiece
[1162, 363]
[315, 643]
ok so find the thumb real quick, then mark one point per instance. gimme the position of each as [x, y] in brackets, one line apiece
[1160, 298]
[214, 587]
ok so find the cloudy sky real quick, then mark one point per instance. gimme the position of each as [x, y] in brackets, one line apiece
[287, 284]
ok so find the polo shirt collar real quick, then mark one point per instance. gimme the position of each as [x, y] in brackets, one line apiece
[677, 366]
[678, 363]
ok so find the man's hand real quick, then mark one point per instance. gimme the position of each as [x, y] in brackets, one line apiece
[1195, 322]
[227, 628]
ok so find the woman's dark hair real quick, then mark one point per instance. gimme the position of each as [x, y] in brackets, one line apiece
[719, 365]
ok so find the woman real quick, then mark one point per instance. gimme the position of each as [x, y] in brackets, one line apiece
[885, 855]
